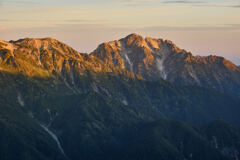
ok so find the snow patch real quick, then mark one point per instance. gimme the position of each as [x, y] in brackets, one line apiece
[215, 143]
[49, 111]
[161, 68]
[124, 101]
[129, 62]
[68, 86]
[31, 115]
[94, 87]
[55, 138]
[73, 79]
[66, 83]
[125, 53]
[20, 100]
[50, 117]
[194, 76]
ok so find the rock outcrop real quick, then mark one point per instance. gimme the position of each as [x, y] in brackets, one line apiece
[156, 59]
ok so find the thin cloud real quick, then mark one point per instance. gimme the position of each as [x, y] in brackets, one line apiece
[53, 20]
[120, 28]
[235, 6]
[216, 5]
[184, 2]
[225, 27]
[17, 2]
[136, 2]
[199, 3]
[76, 27]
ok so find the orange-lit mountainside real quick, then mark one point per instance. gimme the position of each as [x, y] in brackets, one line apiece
[136, 98]
[156, 59]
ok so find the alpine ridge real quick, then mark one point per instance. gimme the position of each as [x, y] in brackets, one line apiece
[131, 99]
[156, 59]
[46, 56]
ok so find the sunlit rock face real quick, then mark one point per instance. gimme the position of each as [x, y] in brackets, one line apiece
[136, 54]
[41, 57]
[156, 59]
[153, 59]
[48, 57]
[56, 100]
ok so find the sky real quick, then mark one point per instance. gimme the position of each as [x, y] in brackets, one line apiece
[202, 27]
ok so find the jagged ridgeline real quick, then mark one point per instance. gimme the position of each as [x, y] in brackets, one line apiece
[156, 59]
[57, 103]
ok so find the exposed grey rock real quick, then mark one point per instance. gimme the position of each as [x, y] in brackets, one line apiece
[156, 59]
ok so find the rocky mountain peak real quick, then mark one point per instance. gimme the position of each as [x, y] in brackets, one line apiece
[44, 44]
[134, 40]
[153, 59]
[47, 57]
[156, 59]
[61, 104]
[139, 55]
[38, 56]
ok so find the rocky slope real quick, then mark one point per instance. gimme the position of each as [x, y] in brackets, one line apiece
[22, 138]
[50, 58]
[76, 106]
[156, 59]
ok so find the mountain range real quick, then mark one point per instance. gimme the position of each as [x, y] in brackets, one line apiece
[156, 59]
[133, 98]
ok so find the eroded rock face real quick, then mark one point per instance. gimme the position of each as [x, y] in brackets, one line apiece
[153, 59]
[46, 56]
[156, 59]
[49, 58]
[56, 100]
[134, 54]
